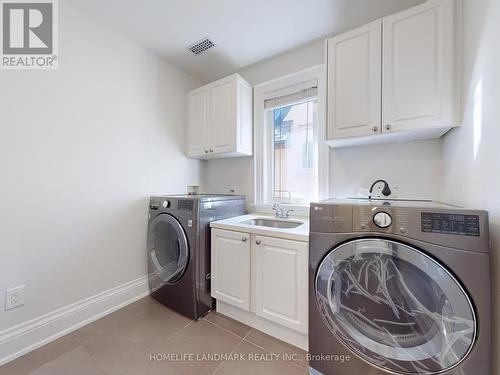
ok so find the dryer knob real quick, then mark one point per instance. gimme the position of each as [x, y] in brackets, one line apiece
[165, 204]
[382, 219]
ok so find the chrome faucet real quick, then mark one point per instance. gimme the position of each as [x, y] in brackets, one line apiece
[280, 212]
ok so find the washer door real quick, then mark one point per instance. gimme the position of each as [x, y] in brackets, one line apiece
[395, 307]
[168, 248]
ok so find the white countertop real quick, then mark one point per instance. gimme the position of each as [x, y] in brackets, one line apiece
[300, 233]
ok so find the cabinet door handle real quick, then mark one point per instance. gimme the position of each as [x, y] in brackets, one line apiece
[258, 242]
[211, 150]
[244, 239]
[375, 129]
[388, 127]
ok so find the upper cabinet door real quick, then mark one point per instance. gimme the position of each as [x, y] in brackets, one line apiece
[199, 122]
[224, 115]
[418, 71]
[354, 82]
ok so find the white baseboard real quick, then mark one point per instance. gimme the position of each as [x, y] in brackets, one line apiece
[25, 337]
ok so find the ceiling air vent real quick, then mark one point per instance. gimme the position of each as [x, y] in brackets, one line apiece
[201, 46]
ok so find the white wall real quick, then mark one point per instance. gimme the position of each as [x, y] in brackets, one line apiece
[293, 61]
[472, 152]
[415, 166]
[81, 149]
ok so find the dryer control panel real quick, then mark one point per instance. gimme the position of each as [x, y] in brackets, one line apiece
[380, 219]
[459, 224]
[429, 222]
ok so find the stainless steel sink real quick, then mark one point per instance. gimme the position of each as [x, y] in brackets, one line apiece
[262, 222]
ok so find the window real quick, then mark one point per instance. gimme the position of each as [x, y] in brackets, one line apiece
[292, 150]
[291, 157]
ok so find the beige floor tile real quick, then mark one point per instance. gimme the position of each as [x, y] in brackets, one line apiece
[124, 342]
[20, 366]
[138, 307]
[75, 362]
[225, 322]
[117, 319]
[196, 341]
[41, 356]
[119, 345]
[154, 322]
[106, 325]
[274, 345]
[255, 360]
[198, 368]
[172, 368]
[200, 337]
[146, 305]
[116, 357]
[53, 350]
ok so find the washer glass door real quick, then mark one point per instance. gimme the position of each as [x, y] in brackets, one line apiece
[168, 248]
[395, 307]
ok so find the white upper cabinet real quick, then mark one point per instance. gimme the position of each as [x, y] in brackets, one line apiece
[224, 115]
[354, 82]
[220, 119]
[416, 66]
[418, 70]
[199, 115]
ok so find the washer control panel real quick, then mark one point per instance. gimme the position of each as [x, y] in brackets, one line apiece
[156, 203]
[153, 203]
[382, 219]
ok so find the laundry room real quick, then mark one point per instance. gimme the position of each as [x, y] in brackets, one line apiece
[272, 187]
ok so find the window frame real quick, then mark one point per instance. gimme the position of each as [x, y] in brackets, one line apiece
[269, 187]
[262, 160]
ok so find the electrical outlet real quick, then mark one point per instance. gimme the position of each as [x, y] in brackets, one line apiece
[377, 191]
[14, 297]
[394, 190]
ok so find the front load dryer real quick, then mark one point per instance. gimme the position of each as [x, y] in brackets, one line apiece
[398, 288]
[178, 248]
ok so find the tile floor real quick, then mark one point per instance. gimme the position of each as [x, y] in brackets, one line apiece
[124, 342]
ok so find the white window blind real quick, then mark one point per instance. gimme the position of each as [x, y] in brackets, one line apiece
[292, 94]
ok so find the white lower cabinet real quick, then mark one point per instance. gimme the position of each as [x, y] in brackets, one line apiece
[230, 268]
[281, 268]
[264, 276]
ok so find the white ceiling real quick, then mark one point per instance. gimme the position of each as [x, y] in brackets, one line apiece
[244, 31]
